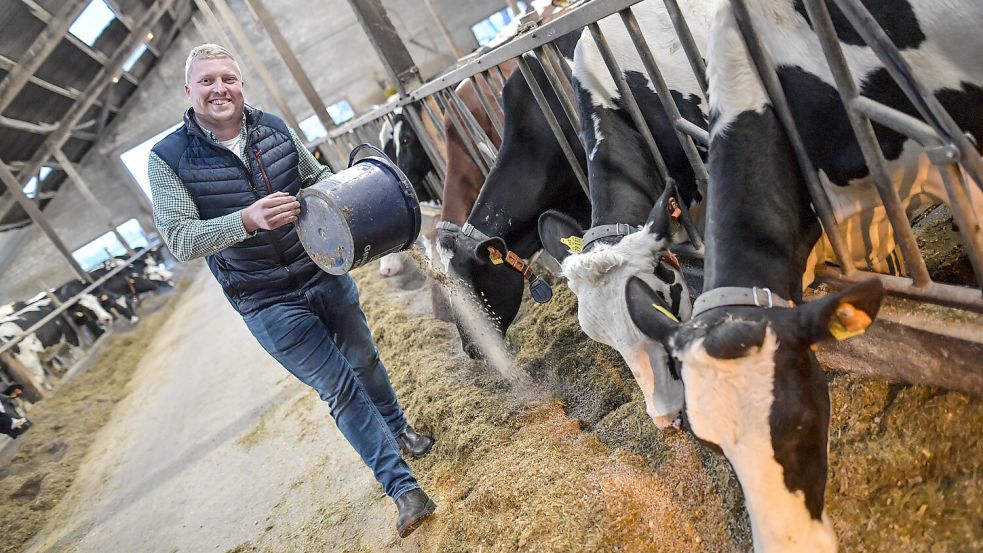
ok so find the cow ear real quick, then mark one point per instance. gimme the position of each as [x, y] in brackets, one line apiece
[649, 311]
[560, 234]
[841, 315]
[662, 217]
[484, 251]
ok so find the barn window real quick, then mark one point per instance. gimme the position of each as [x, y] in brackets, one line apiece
[488, 28]
[340, 111]
[31, 188]
[135, 56]
[137, 158]
[133, 233]
[95, 252]
[92, 22]
[313, 128]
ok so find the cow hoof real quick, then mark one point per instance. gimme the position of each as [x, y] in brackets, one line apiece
[134, 320]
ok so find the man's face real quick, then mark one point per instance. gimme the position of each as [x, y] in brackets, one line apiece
[214, 89]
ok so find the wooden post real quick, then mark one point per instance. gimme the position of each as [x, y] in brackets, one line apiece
[14, 188]
[69, 168]
[443, 28]
[230, 19]
[303, 81]
[392, 52]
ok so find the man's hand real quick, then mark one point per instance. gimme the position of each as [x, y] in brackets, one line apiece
[273, 211]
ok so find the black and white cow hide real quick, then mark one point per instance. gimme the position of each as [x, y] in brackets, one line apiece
[624, 186]
[37, 351]
[402, 145]
[530, 175]
[752, 384]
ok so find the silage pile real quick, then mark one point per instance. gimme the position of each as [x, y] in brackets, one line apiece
[582, 468]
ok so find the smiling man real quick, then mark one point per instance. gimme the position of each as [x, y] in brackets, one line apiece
[224, 187]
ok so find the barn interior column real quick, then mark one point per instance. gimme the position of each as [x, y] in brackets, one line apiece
[34, 212]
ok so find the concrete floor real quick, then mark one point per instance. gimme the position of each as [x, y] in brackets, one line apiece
[212, 438]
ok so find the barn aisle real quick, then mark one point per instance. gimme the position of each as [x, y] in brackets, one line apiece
[200, 452]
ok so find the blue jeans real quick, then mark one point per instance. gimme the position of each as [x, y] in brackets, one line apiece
[322, 338]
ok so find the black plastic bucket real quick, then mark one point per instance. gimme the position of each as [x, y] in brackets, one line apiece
[359, 214]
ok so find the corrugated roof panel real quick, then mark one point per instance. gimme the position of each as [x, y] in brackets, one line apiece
[37, 105]
[19, 28]
[67, 66]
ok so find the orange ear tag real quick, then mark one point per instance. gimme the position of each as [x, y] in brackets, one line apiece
[674, 211]
[848, 322]
[495, 256]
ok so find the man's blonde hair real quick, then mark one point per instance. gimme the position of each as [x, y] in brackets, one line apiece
[207, 52]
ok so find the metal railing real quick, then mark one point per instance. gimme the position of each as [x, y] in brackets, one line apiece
[945, 144]
[69, 303]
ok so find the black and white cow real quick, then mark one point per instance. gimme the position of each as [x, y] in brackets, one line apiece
[403, 147]
[752, 384]
[90, 311]
[624, 186]
[127, 283]
[530, 175]
[12, 423]
[42, 347]
[148, 266]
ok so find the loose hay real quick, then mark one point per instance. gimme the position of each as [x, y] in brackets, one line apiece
[47, 461]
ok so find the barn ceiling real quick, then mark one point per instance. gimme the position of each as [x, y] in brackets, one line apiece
[59, 91]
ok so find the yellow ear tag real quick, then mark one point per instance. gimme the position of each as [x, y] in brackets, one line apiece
[574, 244]
[495, 256]
[665, 311]
[103, 297]
[848, 322]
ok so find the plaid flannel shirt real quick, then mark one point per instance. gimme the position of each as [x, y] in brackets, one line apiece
[188, 235]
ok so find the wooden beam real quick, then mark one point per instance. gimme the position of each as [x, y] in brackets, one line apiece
[86, 192]
[127, 22]
[7, 65]
[393, 54]
[57, 138]
[293, 64]
[230, 19]
[17, 193]
[443, 28]
[39, 50]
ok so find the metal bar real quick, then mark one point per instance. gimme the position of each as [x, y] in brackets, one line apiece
[426, 139]
[943, 294]
[867, 140]
[587, 12]
[688, 43]
[486, 106]
[392, 52]
[563, 91]
[438, 121]
[495, 93]
[292, 63]
[694, 132]
[926, 103]
[477, 133]
[897, 120]
[665, 97]
[501, 76]
[34, 212]
[965, 217]
[561, 61]
[641, 125]
[376, 113]
[451, 113]
[247, 46]
[554, 124]
[774, 90]
[71, 301]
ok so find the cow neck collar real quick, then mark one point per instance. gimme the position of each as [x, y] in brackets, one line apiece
[469, 230]
[594, 234]
[727, 296]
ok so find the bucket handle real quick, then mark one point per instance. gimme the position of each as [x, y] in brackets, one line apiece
[351, 156]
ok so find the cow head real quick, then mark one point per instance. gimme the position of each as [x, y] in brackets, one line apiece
[392, 264]
[754, 389]
[89, 307]
[400, 143]
[117, 305]
[598, 277]
[495, 287]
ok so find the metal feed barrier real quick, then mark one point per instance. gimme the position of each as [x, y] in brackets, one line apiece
[61, 307]
[947, 146]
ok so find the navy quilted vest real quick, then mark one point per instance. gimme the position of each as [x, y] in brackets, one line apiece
[272, 265]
